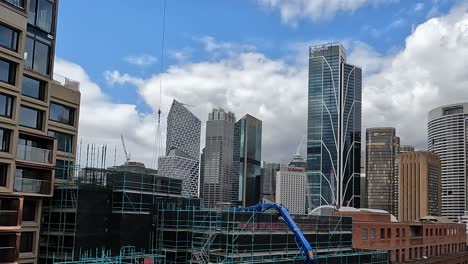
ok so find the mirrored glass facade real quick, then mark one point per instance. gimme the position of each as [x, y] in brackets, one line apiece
[334, 128]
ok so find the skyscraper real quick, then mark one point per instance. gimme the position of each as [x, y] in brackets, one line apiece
[247, 160]
[334, 128]
[448, 137]
[382, 147]
[419, 185]
[182, 158]
[291, 188]
[39, 114]
[269, 180]
[217, 182]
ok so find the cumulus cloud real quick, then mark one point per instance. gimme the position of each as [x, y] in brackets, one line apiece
[141, 60]
[293, 10]
[102, 121]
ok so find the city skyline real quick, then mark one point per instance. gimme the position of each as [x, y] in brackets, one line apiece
[212, 59]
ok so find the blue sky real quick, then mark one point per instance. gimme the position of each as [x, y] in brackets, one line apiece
[213, 47]
[99, 34]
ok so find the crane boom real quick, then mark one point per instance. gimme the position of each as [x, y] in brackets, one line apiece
[305, 249]
[127, 155]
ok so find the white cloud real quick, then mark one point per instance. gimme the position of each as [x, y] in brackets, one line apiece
[102, 120]
[141, 60]
[418, 7]
[293, 10]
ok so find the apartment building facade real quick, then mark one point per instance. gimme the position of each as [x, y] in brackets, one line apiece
[38, 121]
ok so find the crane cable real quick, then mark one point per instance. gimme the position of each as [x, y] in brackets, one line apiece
[157, 147]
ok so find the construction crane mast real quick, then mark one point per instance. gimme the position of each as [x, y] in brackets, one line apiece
[127, 155]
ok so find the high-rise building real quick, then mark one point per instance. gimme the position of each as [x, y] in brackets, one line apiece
[396, 201]
[291, 188]
[334, 128]
[448, 138]
[218, 169]
[182, 160]
[269, 180]
[382, 146]
[419, 185]
[247, 160]
[406, 148]
[38, 123]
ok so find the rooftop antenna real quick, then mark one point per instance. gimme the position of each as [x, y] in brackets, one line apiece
[127, 155]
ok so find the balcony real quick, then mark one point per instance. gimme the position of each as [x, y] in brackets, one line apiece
[67, 82]
[10, 213]
[9, 247]
[36, 149]
[33, 181]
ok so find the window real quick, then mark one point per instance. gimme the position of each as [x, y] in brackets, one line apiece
[403, 232]
[37, 54]
[5, 139]
[8, 38]
[372, 233]
[30, 117]
[364, 234]
[6, 105]
[33, 88]
[41, 14]
[18, 3]
[29, 210]
[3, 174]
[382, 233]
[61, 113]
[26, 242]
[7, 72]
[63, 169]
[64, 141]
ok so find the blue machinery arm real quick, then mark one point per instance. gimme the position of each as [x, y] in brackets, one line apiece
[305, 249]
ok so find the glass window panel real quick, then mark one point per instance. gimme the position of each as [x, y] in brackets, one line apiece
[30, 117]
[8, 38]
[3, 174]
[41, 58]
[63, 169]
[29, 51]
[64, 141]
[7, 72]
[32, 12]
[6, 105]
[61, 113]
[26, 242]
[5, 139]
[18, 3]
[44, 15]
[33, 88]
[29, 210]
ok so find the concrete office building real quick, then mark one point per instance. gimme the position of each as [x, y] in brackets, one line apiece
[182, 160]
[38, 123]
[419, 185]
[269, 180]
[382, 146]
[334, 128]
[247, 160]
[218, 168]
[406, 148]
[448, 138]
[291, 188]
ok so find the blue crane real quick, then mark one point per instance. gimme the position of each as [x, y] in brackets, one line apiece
[305, 249]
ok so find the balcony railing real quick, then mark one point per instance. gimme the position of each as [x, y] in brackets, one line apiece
[67, 82]
[26, 185]
[29, 153]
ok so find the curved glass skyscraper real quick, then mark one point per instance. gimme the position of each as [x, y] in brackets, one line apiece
[448, 137]
[334, 128]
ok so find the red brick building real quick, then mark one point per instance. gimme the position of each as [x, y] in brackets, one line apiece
[432, 237]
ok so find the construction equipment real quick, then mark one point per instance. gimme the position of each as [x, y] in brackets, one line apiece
[127, 155]
[305, 249]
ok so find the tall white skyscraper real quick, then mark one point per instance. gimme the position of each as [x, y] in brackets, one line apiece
[182, 160]
[291, 188]
[448, 137]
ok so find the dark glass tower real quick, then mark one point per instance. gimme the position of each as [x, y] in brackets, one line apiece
[247, 160]
[334, 128]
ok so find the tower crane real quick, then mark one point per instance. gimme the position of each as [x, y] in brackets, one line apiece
[305, 249]
[127, 155]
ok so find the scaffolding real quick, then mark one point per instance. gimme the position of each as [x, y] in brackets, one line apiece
[200, 235]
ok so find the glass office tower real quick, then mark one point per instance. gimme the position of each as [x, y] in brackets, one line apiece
[334, 128]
